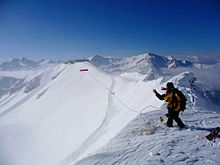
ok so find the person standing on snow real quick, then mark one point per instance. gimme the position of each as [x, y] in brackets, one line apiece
[173, 106]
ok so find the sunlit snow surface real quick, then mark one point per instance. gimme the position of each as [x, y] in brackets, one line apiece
[145, 140]
[60, 115]
[153, 143]
[67, 116]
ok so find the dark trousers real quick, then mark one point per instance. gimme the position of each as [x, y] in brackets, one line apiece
[174, 115]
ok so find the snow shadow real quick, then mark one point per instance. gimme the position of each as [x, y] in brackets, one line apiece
[42, 93]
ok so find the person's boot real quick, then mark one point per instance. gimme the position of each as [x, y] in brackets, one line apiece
[169, 125]
[170, 122]
[180, 123]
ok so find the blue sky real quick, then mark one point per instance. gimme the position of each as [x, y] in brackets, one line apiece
[65, 29]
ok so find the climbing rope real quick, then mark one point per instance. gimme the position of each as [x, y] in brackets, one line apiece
[140, 112]
[113, 93]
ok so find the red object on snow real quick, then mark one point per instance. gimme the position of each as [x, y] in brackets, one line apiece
[84, 70]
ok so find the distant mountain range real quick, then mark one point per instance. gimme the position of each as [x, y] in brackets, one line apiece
[140, 63]
[203, 59]
[12, 64]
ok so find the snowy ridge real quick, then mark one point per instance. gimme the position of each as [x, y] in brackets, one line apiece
[60, 115]
[159, 144]
[50, 116]
[22, 89]
[147, 141]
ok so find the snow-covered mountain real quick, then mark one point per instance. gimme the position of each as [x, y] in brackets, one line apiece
[17, 64]
[17, 74]
[64, 114]
[148, 64]
[13, 64]
[138, 63]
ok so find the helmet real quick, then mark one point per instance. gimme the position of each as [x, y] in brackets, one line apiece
[170, 85]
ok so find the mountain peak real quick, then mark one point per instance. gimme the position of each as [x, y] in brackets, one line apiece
[98, 60]
[143, 63]
[147, 55]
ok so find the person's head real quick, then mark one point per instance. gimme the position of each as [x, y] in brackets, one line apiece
[170, 85]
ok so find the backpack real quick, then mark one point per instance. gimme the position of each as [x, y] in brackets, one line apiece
[182, 99]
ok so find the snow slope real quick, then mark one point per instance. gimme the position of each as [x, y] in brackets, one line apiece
[59, 115]
[68, 115]
[159, 144]
[147, 141]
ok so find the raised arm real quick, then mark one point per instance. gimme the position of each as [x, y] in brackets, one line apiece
[159, 96]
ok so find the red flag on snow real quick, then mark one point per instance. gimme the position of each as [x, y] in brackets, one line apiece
[84, 70]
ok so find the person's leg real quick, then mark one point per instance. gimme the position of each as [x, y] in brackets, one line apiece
[177, 119]
[170, 119]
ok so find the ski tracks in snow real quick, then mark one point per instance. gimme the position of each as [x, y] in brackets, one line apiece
[96, 134]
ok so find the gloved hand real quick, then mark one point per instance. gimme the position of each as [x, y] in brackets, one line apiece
[155, 91]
